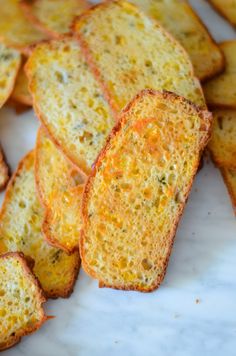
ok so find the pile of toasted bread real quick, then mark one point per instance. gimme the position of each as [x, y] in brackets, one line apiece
[124, 122]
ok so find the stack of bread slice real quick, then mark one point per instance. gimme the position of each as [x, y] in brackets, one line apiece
[221, 96]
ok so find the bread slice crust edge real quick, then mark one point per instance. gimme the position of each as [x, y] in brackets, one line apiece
[205, 115]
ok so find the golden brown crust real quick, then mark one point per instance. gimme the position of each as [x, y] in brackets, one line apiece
[20, 96]
[17, 106]
[23, 100]
[220, 12]
[88, 55]
[20, 256]
[68, 290]
[26, 6]
[4, 171]
[232, 193]
[206, 126]
[221, 105]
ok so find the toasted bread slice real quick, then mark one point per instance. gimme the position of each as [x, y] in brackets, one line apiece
[4, 171]
[221, 90]
[60, 188]
[21, 300]
[54, 17]
[76, 116]
[15, 29]
[137, 190]
[229, 176]
[129, 52]
[184, 24]
[20, 230]
[21, 92]
[227, 8]
[10, 60]
[223, 141]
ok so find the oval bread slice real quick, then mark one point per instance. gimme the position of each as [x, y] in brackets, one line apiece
[183, 23]
[221, 90]
[68, 100]
[60, 188]
[10, 61]
[21, 300]
[137, 190]
[15, 29]
[21, 221]
[129, 52]
[54, 17]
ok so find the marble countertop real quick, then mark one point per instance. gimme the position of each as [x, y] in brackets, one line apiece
[194, 310]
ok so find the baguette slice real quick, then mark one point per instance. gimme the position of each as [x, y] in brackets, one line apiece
[4, 171]
[226, 8]
[129, 52]
[229, 176]
[184, 24]
[21, 92]
[53, 17]
[21, 221]
[21, 300]
[60, 188]
[15, 29]
[10, 61]
[223, 141]
[68, 100]
[137, 190]
[221, 91]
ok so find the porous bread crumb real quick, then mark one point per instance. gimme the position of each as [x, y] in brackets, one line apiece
[184, 24]
[21, 300]
[136, 193]
[77, 116]
[129, 52]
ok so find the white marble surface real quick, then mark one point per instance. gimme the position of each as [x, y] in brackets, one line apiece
[169, 321]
